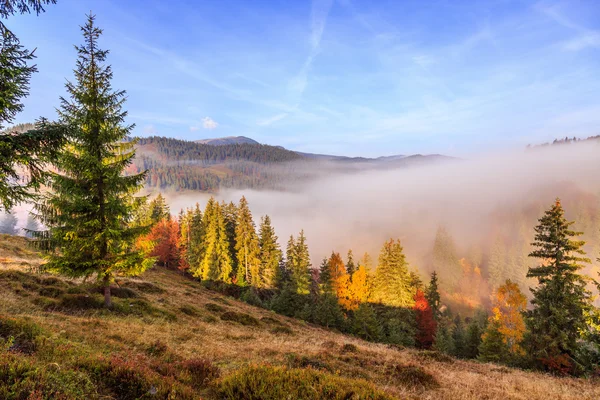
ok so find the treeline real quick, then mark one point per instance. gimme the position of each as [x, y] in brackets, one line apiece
[388, 302]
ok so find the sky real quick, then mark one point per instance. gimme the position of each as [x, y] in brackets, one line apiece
[345, 77]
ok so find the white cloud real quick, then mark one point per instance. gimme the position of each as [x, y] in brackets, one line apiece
[209, 123]
[150, 130]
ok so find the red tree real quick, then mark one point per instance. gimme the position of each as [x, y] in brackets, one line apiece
[426, 324]
[165, 235]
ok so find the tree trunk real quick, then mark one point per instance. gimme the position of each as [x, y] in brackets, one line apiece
[107, 299]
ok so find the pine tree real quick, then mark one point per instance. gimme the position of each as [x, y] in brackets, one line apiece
[426, 324]
[158, 209]
[31, 226]
[91, 205]
[473, 339]
[560, 301]
[328, 312]
[37, 146]
[365, 323]
[445, 260]
[497, 268]
[493, 348]
[392, 280]
[230, 215]
[459, 338]
[8, 224]
[193, 235]
[433, 296]
[350, 265]
[216, 264]
[247, 247]
[443, 339]
[298, 263]
[270, 253]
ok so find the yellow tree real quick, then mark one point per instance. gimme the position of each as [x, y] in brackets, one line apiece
[358, 289]
[508, 305]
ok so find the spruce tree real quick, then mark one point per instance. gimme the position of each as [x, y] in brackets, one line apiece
[560, 301]
[350, 264]
[392, 281]
[365, 323]
[473, 339]
[270, 253]
[493, 348]
[247, 247]
[433, 296]
[216, 264]
[443, 339]
[328, 312]
[230, 215]
[91, 203]
[8, 223]
[158, 209]
[426, 324]
[298, 261]
[31, 226]
[195, 238]
[446, 260]
[459, 338]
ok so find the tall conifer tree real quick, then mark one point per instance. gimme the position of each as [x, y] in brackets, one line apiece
[560, 301]
[270, 253]
[247, 247]
[216, 263]
[433, 296]
[392, 279]
[91, 203]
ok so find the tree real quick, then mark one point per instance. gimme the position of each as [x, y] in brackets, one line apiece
[328, 312]
[31, 226]
[433, 296]
[91, 204]
[443, 339]
[446, 260]
[473, 339]
[366, 261]
[391, 284]
[508, 307]
[165, 236]
[493, 348]
[560, 301]
[350, 265]
[334, 278]
[459, 338]
[298, 263]
[33, 148]
[365, 323]
[247, 247]
[230, 215]
[426, 324]
[217, 263]
[270, 253]
[158, 209]
[8, 224]
[497, 268]
[359, 289]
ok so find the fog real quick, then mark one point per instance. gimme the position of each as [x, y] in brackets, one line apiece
[361, 210]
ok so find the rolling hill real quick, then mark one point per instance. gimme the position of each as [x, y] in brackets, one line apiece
[170, 337]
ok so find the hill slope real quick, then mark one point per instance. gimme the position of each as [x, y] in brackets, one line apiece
[168, 333]
[227, 140]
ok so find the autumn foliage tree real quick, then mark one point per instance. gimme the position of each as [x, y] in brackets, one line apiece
[426, 324]
[508, 305]
[165, 236]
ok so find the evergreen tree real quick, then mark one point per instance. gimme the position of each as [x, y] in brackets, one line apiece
[8, 224]
[216, 264]
[158, 209]
[366, 261]
[91, 205]
[31, 226]
[328, 312]
[443, 339]
[497, 268]
[561, 300]
[33, 148]
[195, 238]
[392, 282]
[247, 247]
[493, 347]
[365, 323]
[325, 277]
[230, 215]
[270, 253]
[459, 338]
[445, 260]
[298, 263]
[350, 265]
[433, 296]
[473, 339]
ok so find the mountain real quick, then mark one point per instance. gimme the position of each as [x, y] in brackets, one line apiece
[227, 140]
[168, 336]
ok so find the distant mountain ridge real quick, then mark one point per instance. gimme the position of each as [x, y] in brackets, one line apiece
[227, 140]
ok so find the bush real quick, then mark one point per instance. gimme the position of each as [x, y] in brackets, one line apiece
[21, 334]
[413, 377]
[275, 383]
[250, 297]
[296, 361]
[349, 348]
[240, 318]
[201, 372]
[286, 330]
[144, 287]
[189, 310]
[77, 302]
[51, 291]
[435, 356]
[158, 348]
[212, 307]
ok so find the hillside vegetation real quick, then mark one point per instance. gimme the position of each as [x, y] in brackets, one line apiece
[167, 335]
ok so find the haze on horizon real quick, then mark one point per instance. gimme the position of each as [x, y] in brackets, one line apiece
[344, 77]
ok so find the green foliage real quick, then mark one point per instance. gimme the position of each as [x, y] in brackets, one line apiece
[91, 203]
[275, 383]
[443, 339]
[392, 282]
[459, 339]
[329, 313]
[287, 301]
[473, 340]
[247, 247]
[251, 297]
[217, 263]
[493, 348]
[20, 333]
[561, 300]
[298, 263]
[270, 253]
[365, 323]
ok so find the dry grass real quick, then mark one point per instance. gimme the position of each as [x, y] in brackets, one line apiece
[197, 331]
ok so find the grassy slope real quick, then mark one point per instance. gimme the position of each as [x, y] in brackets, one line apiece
[170, 320]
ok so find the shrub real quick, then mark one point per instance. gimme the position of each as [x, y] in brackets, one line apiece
[274, 383]
[271, 320]
[286, 330]
[296, 361]
[240, 318]
[349, 348]
[201, 371]
[144, 287]
[21, 333]
[212, 307]
[157, 348]
[413, 377]
[77, 302]
[250, 297]
[189, 310]
[435, 356]
[51, 291]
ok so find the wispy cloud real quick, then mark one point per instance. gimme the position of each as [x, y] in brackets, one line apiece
[209, 123]
[585, 37]
[271, 120]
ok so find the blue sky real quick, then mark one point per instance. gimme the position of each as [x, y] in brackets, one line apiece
[349, 77]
